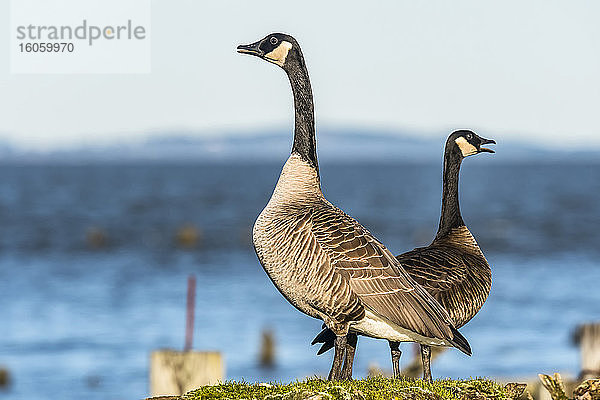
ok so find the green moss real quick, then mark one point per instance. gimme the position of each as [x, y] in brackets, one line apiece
[364, 389]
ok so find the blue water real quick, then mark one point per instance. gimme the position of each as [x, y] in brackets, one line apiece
[78, 321]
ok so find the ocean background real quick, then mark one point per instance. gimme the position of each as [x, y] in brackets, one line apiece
[79, 320]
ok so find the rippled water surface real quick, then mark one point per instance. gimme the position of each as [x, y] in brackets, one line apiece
[78, 320]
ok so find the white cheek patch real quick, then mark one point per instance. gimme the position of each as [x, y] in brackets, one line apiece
[466, 148]
[279, 54]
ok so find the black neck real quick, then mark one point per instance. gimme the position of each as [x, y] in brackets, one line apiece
[451, 217]
[304, 130]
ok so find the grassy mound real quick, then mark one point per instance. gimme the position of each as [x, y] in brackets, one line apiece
[364, 389]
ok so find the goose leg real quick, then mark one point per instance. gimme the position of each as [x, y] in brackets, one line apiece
[426, 358]
[396, 353]
[352, 339]
[338, 358]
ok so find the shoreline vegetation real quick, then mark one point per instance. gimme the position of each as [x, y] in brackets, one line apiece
[377, 388]
[381, 388]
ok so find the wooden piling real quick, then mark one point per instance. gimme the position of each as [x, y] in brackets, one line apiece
[188, 236]
[190, 309]
[587, 336]
[4, 378]
[174, 373]
[267, 349]
[96, 237]
[177, 372]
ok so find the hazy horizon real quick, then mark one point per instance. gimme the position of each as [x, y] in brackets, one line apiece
[345, 146]
[286, 132]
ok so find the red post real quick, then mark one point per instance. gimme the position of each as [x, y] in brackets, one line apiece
[191, 302]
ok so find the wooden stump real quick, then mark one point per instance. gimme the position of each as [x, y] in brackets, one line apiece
[267, 349]
[587, 336]
[4, 378]
[176, 373]
[188, 236]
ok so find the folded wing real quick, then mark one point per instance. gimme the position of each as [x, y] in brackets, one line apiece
[377, 277]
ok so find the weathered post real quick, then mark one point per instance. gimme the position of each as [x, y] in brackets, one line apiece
[267, 349]
[4, 378]
[587, 336]
[188, 237]
[190, 310]
[177, 372]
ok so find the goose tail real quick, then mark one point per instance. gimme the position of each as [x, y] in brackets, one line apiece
[460, 342]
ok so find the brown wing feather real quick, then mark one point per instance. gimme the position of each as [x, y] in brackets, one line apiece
[459, 280]
[437, 268]
[376, 276]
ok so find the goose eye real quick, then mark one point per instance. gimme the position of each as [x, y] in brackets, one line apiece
[273, 40]
[469, 136]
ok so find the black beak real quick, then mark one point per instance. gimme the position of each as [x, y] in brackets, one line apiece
[485, 149]
[253, 49]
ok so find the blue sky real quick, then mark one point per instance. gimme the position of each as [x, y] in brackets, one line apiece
[509, 69]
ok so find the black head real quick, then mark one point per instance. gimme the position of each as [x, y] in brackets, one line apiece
[468, 143]
[277, 48]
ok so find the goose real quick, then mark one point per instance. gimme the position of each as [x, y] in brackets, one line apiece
[452, 268]
[323, 261]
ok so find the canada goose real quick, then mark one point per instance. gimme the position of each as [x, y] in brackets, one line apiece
[452, 268]
[323, 261]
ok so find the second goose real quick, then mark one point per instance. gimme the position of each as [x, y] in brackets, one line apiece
[324, 262]
[452, 268]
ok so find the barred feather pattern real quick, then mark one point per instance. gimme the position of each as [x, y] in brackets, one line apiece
[330, 267]
[455, 271]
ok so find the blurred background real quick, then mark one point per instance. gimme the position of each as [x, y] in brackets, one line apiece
[115, 188]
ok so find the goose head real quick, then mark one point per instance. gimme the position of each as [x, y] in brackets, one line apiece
[277, 48]
[468, 143]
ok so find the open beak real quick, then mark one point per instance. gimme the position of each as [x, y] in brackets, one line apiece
[253, 49]
[485, 149]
